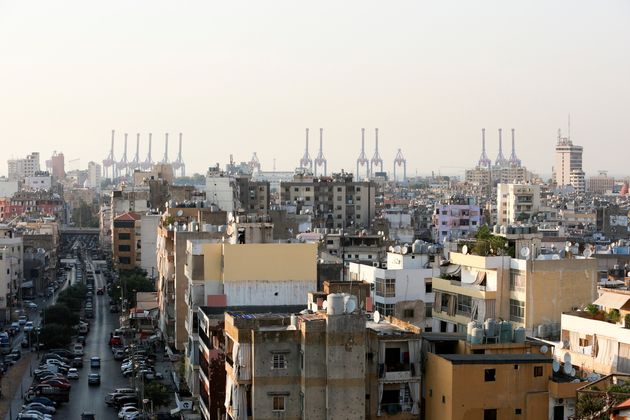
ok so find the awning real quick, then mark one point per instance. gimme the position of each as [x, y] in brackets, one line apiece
[27, 284]
[175, 411]
[612, 300]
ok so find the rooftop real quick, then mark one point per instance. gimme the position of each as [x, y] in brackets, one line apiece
[497, 359]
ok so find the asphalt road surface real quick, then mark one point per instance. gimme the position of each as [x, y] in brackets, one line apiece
[84, 397]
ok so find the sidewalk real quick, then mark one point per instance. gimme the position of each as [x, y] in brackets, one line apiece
[18, 374]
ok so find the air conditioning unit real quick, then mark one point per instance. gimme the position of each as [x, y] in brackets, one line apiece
[384, 265]
[375, 264]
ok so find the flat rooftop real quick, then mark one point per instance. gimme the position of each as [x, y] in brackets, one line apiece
[497, 359]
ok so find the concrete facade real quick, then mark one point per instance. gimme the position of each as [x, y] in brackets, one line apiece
[517, 201]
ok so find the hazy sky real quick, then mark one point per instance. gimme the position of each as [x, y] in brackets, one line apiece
[244, 76]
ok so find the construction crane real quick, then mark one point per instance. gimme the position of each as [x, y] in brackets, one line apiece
[254, 163]
[135, 162]
[362, 160]
[484, 161]
[148, 162]
[514, 160]
[123, 164]
[306, 161]
[165, 158]
[400, 160]
[110, 161]
[376, 159]
[320, 160]
[178, 164]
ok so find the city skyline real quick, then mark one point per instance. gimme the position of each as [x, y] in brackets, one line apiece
[239, 79]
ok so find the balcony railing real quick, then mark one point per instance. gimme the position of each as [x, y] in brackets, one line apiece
[392, 409]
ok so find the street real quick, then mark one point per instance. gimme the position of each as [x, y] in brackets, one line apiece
[84, 397]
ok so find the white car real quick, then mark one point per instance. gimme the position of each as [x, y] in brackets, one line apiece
[42, 408]
[73, 373]
[28, 326]
[127, 410]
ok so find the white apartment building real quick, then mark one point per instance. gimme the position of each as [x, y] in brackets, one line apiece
[21, 168]
[7, 188]
[94, 175]
[404, 288]
[221, 189]
[568, 159]
[517, 202]
[38, 181]
[148, 241]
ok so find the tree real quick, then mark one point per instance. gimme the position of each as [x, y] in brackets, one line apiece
[158, 393]
[61, 315]
[73, 297]
[84, 215]
[55, 336]
[131, 281]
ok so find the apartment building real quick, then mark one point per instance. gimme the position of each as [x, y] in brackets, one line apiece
[33, 203]
[40, 180]
[94, 175]
[530, 291]
[455, 221]
[517, 202]
[18, 169]
[177, 225]
[335, 202]
[11, 270]
[568, 161]
[56, 166]
[357, 248]
[7, 189]
[403, 289]
[327, 364]
[221, 189]
[600, 183]
[254, 197]
[126, 245]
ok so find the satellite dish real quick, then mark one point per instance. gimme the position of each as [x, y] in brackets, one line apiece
[569, 244]
[397, 249]
[180, 212]
[524, 252]
[350, 306]
[555, 366]
[562, 253]
[325, 305]
[391, 249]
[404, 250]
[573, 372]
[377, 317]
[465, 249]
[587, 253]
[544, 349]
[567, 358]
[567, 368]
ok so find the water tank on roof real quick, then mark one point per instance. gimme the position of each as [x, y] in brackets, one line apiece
[477, 336]
[490, 327]
[543, 331]
[416, 248]
[469, 329]
[519, 335]
[505, 332]
[335, 304]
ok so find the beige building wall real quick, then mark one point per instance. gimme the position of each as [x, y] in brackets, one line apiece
[460, 391]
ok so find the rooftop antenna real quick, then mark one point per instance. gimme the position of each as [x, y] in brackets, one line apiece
[178, 164]
[362, 159]
[514, 161]
[500, 161]
[400, 161]
[484, 161]
[376, 159]
[148, 161]
[306, 161]
[320, 160]
[165, 158]
[110, 161]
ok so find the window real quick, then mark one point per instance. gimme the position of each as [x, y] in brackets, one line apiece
[386, 287]
[385, 309]
[464, 305]
[517, 281]
[517, 310]
[278, 403]
[124, 260]
[279, 361]
[408, 313]
[490, 414]
[538, 371]
[490, 375]
[124, 248]
[428, 308]
[428, 286]
[124, 236]
[518, 411]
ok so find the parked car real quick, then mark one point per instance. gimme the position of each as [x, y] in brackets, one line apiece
[77, 362]
[127, 410]
[22, 320]
[44, 400]
[28, 326]
[32, 306]
[73, 373]
[88, 416]
[42, 408]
